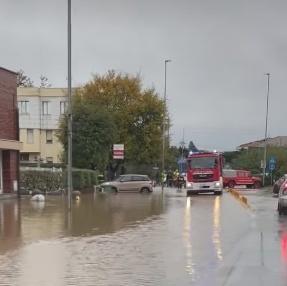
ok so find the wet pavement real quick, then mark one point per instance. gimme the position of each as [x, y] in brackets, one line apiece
[144, 239]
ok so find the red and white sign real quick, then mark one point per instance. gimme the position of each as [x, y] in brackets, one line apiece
[118, 151]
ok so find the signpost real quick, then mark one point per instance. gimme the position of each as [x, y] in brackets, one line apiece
[118, 151]
[272, 166]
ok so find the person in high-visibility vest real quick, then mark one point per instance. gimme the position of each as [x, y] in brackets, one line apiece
[163, 178]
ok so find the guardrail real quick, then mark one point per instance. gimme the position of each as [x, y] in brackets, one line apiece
[240, 197]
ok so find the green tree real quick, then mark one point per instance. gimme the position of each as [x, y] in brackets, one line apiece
[251, 160]
[93, 135]
[136, 113]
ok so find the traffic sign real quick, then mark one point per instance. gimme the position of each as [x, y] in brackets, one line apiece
[118, 151]
[272, 164]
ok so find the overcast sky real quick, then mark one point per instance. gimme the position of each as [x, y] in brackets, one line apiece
[220, 52]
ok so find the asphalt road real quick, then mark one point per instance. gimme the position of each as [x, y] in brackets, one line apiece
[144, 239]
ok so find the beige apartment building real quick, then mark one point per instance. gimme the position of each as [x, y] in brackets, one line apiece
[40, 111]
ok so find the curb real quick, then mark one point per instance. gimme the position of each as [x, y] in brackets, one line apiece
[239, 197]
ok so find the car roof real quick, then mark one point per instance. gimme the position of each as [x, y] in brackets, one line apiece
[133, 175]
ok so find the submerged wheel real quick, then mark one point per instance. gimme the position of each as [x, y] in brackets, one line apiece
[279, 208]
[257, 185]
[190, 193]
[231, 184]
[218, 193]
[145, 190]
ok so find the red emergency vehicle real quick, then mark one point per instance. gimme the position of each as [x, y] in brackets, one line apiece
[232, 178]
[204, 173]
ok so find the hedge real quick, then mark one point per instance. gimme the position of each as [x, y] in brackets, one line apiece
[48, 181]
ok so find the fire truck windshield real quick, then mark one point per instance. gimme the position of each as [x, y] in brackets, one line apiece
[202, 162]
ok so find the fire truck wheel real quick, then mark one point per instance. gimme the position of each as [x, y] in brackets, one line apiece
[218, 193]
[231, 184]
[257, 185]
[190, 193]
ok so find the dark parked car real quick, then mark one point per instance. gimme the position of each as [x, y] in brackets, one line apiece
[282, 200]
[278, 184]
[129, 183]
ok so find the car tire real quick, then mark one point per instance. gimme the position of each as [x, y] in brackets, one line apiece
[257, 185]
[275, 190]
[145, 190]
[231, 184]
[279, 209]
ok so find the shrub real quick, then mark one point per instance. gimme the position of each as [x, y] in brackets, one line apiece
[48, 181]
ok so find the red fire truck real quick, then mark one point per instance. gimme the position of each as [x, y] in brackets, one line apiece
[204, 173]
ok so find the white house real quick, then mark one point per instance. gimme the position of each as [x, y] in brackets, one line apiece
[40, 111]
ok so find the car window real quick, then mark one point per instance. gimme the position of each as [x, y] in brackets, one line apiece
[140, 178]
[125, 178]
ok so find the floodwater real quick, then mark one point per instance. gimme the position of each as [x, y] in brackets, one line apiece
[133, 239]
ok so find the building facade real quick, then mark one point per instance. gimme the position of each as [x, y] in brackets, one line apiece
[278, 141]
[9, 132]
[40, 112]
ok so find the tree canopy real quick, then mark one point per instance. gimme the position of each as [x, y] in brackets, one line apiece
[130, 115]
[23, 80]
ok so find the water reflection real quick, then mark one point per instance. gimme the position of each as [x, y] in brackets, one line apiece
[284, 247]
[24, 221]
[216, 228]
[187, 237]
[10, 225]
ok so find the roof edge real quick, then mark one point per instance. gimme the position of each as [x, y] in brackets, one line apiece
[8, 70]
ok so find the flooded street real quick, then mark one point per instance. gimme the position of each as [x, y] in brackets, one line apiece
[142, 239]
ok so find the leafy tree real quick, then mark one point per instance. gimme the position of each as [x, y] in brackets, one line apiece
[136, 113]
[23, 80]
[44, 82]
[251, 160]
[93, 136]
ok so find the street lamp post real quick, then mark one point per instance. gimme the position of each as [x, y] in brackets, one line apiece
[266, 129]
[69, 165]
[164, 121]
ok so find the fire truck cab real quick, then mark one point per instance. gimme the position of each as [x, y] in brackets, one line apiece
[204, 173]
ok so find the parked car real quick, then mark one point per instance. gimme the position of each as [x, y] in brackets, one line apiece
[232, 178]
[282, 199]
[278, 184]
[129, 183]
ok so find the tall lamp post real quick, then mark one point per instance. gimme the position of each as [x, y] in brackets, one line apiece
[266, 129]
[164, 121]
[69, 165]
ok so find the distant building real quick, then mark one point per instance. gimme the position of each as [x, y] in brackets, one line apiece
[279, 141]
[9, 132]
[40, 111]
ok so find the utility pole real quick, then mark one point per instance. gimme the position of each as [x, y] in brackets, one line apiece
[164, 122]
[266, 129]
[69, 166]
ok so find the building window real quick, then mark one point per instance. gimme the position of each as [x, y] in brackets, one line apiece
[45, 107]
[49, 159]
[24, 157]
[30, 136]
[63, 107]
[23, 106]
[49, 136]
